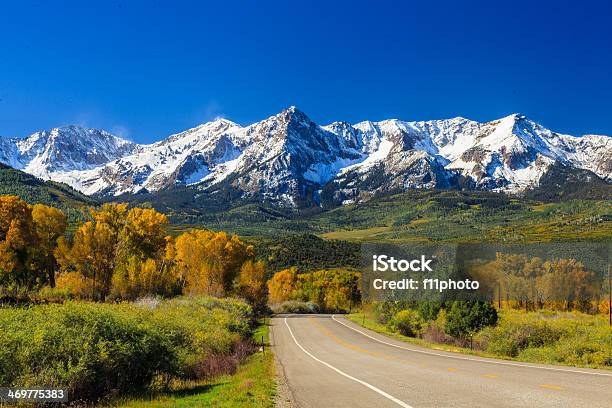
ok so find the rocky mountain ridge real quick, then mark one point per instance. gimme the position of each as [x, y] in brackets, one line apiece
[289, 159]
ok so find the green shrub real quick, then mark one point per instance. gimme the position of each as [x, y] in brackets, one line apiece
[385, 310]
[407, 322]
[89, 349]
[433, 331]
[294, 306]
[429, 310]
[576, 352]
[466, 318]
[510, 339]
[96, 349]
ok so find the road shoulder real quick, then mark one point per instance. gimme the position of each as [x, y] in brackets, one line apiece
[284, 396]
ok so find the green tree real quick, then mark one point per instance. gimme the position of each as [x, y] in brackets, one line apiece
[464, 319]
[429, 310]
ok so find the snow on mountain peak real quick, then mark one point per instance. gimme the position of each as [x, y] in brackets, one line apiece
[290, 158]
[68, 148]
[295, 116]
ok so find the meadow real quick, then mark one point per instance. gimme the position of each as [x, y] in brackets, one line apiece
[110, 305]
[98, 351]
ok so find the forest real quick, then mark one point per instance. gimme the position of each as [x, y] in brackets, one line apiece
[119, 254]
[116, 252]
[532, 283]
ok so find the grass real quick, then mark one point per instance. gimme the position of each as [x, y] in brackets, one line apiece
[97, 350]
[584, 340]
[252, 386]
[356, 234]
[568, 338]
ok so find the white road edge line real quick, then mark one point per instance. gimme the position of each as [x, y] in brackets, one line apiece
[370, 386]
[471, 359]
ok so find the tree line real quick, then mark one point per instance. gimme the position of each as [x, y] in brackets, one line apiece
[330, 289]
[121, 253]
[532, 283]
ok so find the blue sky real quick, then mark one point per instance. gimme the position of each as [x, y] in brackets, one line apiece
[148, 69]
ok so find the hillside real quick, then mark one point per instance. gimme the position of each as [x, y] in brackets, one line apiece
[416, 215]
[566, 183]
[36, 191]
[468, 217]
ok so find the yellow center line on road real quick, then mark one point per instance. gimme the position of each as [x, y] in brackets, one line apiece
[491, 376]
[342, 373]
[387, 357]
[343, 343]
[552, 387]
[348, 345]
[478, 360]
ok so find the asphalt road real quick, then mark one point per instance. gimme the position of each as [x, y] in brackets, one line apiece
[328, 361]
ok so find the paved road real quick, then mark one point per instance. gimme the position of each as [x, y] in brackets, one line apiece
[328, 361]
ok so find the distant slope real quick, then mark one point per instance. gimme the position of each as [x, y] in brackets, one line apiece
[416, 215]
[567, 183]
[307, 252]
[451, 216]
[36, 191]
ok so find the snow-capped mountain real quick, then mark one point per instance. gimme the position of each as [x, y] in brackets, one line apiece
[509, 154]
[182, 158]
[68, 148]
[289, 159]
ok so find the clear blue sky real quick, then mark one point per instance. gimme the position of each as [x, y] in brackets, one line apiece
[148, 69]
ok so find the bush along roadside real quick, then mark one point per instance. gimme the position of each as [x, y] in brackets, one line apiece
[252, 385]
[97, 351]
[552, 337]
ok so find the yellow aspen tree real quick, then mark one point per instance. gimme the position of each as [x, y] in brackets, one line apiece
[49, 225]
[252, 283]
[17, 243]
[282, 285]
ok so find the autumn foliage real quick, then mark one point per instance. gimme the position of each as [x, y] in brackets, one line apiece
[122, 253]
[208, 262]
[28, 236]
[331, 290]
[532, 283]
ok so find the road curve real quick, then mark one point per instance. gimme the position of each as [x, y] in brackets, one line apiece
[328, 361]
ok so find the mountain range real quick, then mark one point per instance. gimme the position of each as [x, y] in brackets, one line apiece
[290, 160]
